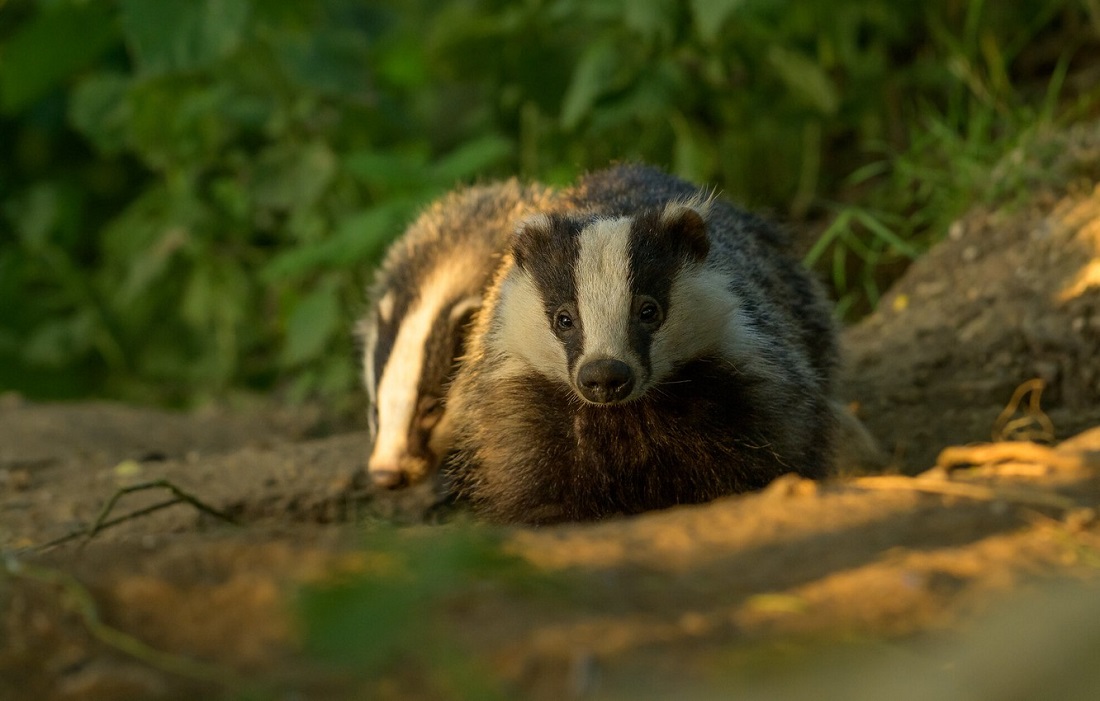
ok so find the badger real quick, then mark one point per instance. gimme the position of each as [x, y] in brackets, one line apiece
[421, 301]
[642, 344]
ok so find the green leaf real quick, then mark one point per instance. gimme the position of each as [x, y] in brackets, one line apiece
[51, 47]
[360, 237]
[99, 109]
[182, 35]
[35, 215]
[311, 324]
[331, 62]
[57, 342]
[472, 158]
[652, 19]
[694, 154]
[593, 76]
[805, 79]
[710, 15]
[177, 123]
[367, 619]
[388, 169]
[292, 176]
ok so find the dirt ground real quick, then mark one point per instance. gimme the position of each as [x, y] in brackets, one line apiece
[979, 582]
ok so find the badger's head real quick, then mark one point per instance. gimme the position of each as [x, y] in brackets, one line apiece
[610, 306]
[412, 339]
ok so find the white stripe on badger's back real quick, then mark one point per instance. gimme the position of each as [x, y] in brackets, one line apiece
[385, 306]
[369, 330]
[397, 391]
[604, 296]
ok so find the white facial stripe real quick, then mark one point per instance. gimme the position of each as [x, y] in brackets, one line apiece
[706, 317]
[398, 387]
[522, 330]
[603, 290]
[702, 311]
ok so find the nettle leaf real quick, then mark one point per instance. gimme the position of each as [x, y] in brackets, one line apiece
[291, 176]
[51, 47]
[331, 62]
[312, 323]
[99, 109]
[178, 123]
[710, 15]
[35, 215]
[652, 20]
[180, 35]
[57, 342]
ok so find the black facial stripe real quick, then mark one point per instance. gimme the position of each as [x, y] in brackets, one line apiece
[655, 260]
[553, 258]
[383, 347]
[398, 286]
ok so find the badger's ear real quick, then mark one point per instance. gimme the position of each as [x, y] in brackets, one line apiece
[684, 222]
[460, 318]
[529, 231]
[463, 311]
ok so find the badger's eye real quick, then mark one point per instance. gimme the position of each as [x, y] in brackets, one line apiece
[563, 321]
[649, 312]
[429, 412]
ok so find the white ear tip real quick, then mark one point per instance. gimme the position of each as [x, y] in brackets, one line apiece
[700, 205]
[538, 220]
[463, 307]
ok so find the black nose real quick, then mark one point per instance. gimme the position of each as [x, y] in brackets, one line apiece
[605, 381]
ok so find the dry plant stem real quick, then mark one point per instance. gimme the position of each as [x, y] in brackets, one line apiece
[77, 598]
[1011, 451]
[935, 485]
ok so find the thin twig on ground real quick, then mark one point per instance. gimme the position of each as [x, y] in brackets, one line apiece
[101, 523]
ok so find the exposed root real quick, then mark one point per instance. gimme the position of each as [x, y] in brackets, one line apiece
[1009, 458]
[1010, 452]
[939, 485]
[1034, 425]
[76, 598]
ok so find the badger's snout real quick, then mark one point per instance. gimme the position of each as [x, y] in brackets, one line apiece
[387, 477]
[605, 380]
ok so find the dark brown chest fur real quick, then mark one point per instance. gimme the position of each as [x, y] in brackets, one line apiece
[545, 456]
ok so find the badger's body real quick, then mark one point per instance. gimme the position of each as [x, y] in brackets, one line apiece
[641, 345]
[420, 305]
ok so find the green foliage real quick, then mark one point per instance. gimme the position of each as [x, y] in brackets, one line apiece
[392, 608]
[193, 192]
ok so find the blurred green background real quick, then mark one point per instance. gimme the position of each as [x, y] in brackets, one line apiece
[193, 192]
